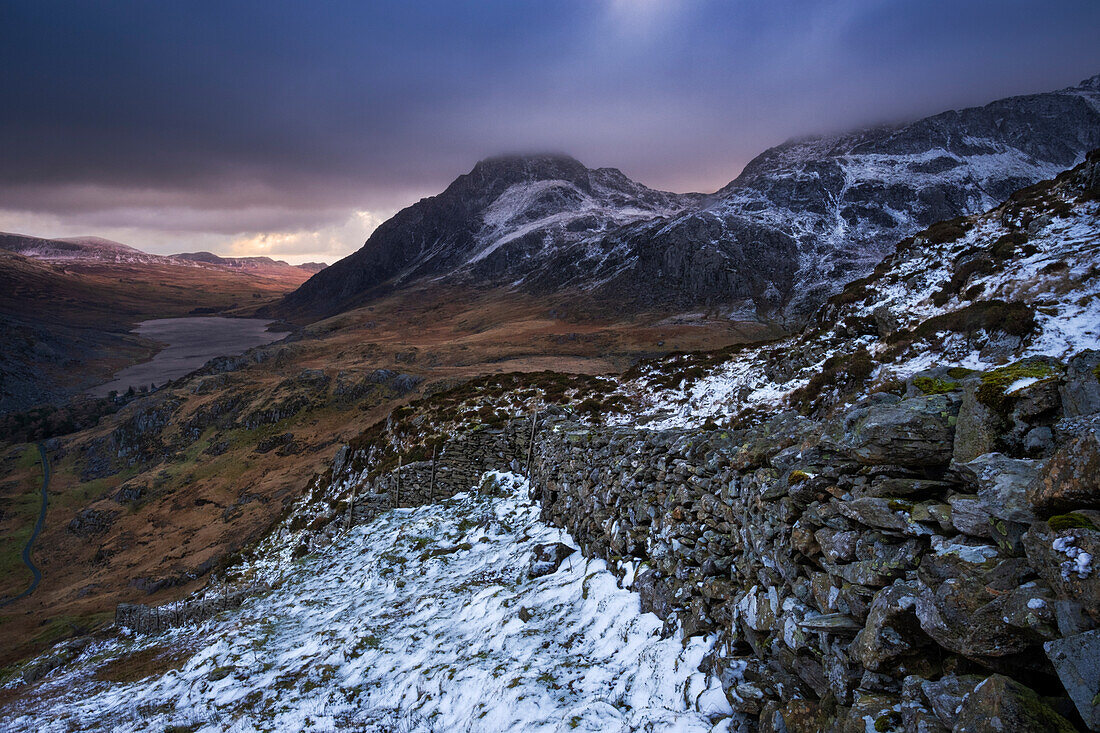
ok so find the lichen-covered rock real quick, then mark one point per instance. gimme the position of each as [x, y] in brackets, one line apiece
[1070, 479]
[1065, 552]
[999, 705]
[892, 635]
[979, 428]
[946, 695]
[877, 712]
[916, 713]
[882, 513]
[1002, 484]
[966, 599]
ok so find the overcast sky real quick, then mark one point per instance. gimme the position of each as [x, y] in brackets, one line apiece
[293, 129]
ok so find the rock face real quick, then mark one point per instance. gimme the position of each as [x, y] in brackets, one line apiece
[800, 220]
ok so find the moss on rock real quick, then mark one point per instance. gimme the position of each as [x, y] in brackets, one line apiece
[1073, 520]
[993, 390]
[934, 385]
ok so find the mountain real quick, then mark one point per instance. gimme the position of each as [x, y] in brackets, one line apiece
[501, 219]
[97, 249]
[86, 249]
[887, 521]
[256, 264]
[802, 219]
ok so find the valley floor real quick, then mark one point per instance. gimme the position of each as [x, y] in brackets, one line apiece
[414, 621]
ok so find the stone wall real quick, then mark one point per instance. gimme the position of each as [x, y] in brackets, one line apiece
[196, 609]
[883, 570]
[459, 464]
[856, 575]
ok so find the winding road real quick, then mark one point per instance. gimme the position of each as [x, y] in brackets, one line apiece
[34, 535]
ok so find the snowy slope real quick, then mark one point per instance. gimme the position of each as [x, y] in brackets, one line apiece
[1040, 251]
[411, 622]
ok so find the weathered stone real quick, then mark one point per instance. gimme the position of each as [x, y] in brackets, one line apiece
[1081, 390]
[964, 601]
[913, 432]
[830, 623]
[892, 634]
[978, 428]
[946, 694]
[1070, 479]
[656, 593]
[1000, 704]
[837, 546]
[1064, 559]
[880, 713]
[917, 715]
[888, 486]
[547, 558]
[1002, 484]
[970, 515]
[889, 514]
[1077, 661]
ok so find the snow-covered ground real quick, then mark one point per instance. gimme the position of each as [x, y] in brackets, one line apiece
[412, 622]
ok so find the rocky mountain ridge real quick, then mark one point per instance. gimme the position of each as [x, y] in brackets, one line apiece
[97, 249]
[800, 221]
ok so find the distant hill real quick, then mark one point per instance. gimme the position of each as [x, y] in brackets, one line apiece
[247, 263]
[98, 249]
[67, 306]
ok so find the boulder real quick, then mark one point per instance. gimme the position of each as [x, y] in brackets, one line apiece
[946, 695]
[1002, 484]
[916, 714]
[1081, 389]
[1070, 479]
[882, 513]
[969, 604]
[979, 428]
[656, 593]
[892, 635]
[916, 432]
[875, 712]
[1077, 661]
[1062, 551]
[547, 558]
[999, 704]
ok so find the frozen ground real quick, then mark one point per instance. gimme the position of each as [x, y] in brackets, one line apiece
[412, 622]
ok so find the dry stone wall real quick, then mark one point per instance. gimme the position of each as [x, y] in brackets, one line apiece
[860, 573]
[856, 576]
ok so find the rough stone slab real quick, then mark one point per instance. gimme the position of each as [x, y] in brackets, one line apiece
[1077, 661]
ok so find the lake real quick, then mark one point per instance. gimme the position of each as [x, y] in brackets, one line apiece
[189, 343]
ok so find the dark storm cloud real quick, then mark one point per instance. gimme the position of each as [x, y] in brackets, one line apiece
[229, 117]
